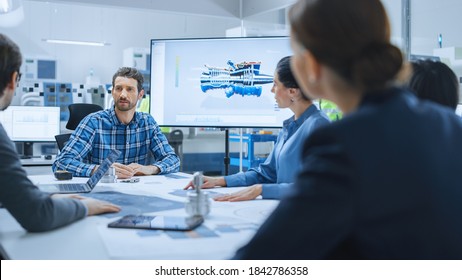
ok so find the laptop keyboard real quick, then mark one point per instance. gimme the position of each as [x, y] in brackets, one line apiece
[71, 187]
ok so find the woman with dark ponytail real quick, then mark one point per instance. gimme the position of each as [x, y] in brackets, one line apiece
[384, 181]
[273, 178]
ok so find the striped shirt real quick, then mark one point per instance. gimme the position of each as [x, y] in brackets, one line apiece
[100, 132]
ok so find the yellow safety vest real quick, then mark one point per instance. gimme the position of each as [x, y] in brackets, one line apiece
[330, 109]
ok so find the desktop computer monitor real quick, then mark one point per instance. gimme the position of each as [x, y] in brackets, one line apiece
[29, 124]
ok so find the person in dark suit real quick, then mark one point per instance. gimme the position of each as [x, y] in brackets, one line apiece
[32, 208]
[384, 182]
[435, 81]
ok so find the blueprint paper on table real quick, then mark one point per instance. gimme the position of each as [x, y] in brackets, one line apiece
[228, 227]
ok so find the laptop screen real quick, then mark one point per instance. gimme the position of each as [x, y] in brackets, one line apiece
[99, 173]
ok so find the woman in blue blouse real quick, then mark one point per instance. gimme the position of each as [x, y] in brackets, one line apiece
[272, 178]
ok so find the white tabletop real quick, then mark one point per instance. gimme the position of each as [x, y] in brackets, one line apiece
[228, 226]
[36, 161]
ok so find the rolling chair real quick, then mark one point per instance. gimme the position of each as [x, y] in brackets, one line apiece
[61, 140]
[175, 139]
[77, 112]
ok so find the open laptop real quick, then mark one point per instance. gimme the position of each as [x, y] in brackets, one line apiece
[83, 187]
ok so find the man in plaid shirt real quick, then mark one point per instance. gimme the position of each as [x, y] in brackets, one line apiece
[133, 133]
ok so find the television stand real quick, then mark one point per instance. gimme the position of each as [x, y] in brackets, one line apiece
[226, 160]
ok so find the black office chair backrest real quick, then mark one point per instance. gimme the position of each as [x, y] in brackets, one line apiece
[175, 139]
[61, 140]
[78, 111]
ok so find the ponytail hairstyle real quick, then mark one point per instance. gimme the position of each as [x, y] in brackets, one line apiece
[286, 76]
[352, 37]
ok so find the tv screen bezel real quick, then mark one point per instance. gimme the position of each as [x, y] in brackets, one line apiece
[208, 38]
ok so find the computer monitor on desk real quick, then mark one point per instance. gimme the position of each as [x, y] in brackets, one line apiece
[29, 124]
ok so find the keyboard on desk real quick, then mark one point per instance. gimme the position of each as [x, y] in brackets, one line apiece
[72, 187]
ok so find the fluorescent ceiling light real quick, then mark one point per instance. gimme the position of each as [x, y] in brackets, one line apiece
[72, 42]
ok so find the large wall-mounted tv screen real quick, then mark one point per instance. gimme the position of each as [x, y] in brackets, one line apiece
[220, 82]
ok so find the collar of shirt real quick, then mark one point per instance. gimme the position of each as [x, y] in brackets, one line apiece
[291, 125]
[112, 114]
[381, 95]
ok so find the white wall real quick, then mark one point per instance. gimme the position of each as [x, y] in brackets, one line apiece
[121, 27]
[430, 18]
[394, 9]
[125, 27]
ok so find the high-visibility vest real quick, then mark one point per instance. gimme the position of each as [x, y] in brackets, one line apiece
[330, 109]
[144, 105]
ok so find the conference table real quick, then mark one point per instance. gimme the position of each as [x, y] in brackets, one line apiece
[228, 226]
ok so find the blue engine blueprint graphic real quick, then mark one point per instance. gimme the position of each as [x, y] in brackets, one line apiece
[243, 78]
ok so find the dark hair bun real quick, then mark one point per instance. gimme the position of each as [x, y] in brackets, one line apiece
[376, 65]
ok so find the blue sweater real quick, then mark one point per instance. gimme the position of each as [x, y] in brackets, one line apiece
[279, 170]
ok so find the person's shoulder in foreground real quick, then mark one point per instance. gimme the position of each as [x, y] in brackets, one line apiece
[383, 182]
[33, 209]
[359, 191]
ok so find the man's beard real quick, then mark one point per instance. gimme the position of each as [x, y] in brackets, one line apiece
[128, 106]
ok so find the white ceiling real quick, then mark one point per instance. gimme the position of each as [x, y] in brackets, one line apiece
[214, 8]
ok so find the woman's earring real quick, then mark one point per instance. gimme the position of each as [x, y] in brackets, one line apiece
[292, 100]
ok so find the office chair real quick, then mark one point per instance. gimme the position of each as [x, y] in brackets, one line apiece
[61, 140]
[175, 139]
[77, 112]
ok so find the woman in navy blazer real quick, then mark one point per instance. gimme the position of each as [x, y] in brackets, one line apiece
[385, 181]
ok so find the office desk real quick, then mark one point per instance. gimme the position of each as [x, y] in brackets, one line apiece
[226, 228]
[38, 161]
[38, 165]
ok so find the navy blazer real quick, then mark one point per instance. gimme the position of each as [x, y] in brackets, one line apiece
[383, 183]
